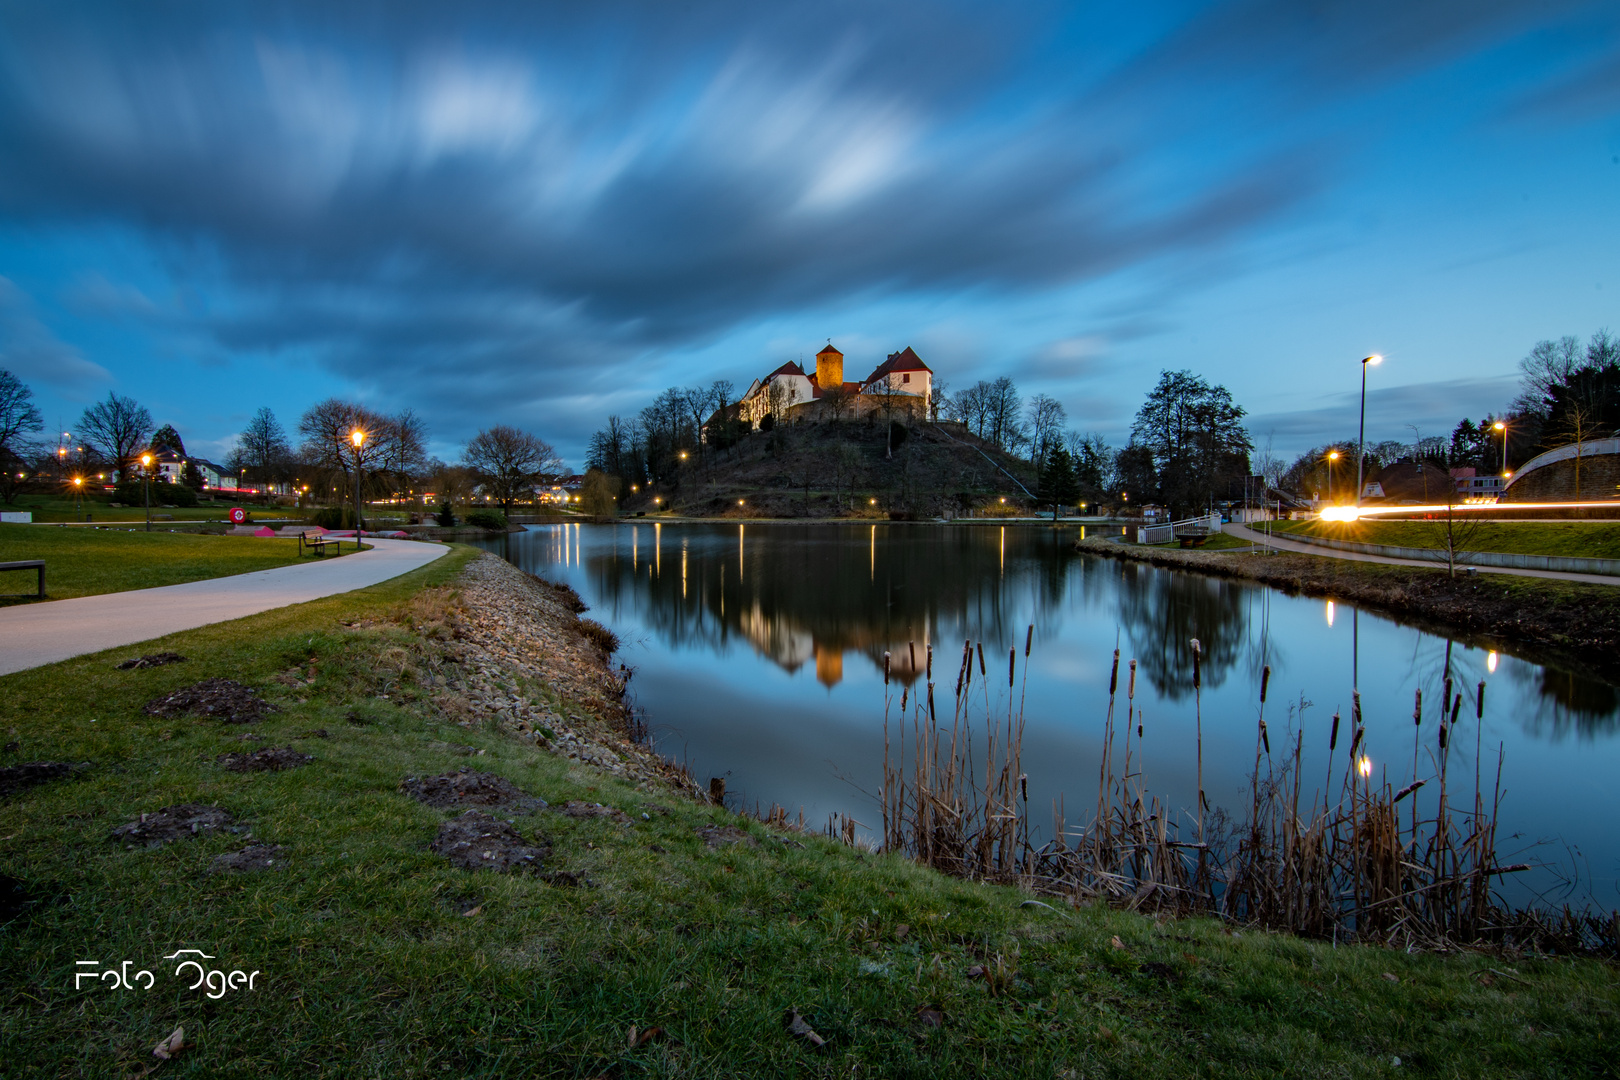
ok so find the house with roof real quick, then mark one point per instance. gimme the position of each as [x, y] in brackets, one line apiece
[901, 383]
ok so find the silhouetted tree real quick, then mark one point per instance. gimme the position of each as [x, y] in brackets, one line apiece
[509, 463]
[118, 428]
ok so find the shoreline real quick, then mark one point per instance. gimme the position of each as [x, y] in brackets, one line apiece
[1568, 625]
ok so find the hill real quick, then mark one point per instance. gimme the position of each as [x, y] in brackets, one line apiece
[845, 469]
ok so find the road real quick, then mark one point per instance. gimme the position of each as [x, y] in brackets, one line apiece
[37, 634]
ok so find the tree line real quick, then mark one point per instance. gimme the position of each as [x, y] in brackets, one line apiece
[502, 463]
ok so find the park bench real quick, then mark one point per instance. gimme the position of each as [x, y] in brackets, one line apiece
[28, 564]
[319, 544]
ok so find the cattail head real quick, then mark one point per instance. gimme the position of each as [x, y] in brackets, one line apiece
[1113, 676]
[1029, 639]
[1333, 739]
[930, 661]
[1265, 681]
[980, 648]
[1456, 707]
[1012, 658]
[911, 649]
[1442, 735]
[1355, 740]
[1265, 738]
[1131, 691]
[1198, 658]
[1355, 707]
[1417, 707]
[885, 667]
[1479, 702]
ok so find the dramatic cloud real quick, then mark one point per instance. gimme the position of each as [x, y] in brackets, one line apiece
[30, 351]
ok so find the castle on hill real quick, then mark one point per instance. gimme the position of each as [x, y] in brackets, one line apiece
[901, 384]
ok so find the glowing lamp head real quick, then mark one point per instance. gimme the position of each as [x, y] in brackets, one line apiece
[1333, 455]
[146, 460]
[1340, 513]
[739, 502]
[358, 437]
[1374, 360]
[1499, 426]
[78, 481]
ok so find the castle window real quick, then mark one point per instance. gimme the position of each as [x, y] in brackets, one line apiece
[905, 378]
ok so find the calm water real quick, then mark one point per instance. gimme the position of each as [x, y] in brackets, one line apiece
[758, 655]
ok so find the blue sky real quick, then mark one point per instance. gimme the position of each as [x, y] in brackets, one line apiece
[540, 214]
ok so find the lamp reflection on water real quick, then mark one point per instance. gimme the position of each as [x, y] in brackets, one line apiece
[1490, 662]
[1330, 612]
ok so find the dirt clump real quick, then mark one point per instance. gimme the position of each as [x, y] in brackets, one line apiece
[270, 759]
[575, 808]
[719, 836]
[476, 841]
[468, 788]
[18, 778]
[252, 857]
[223, 699]
[155, 660]
[183, 822]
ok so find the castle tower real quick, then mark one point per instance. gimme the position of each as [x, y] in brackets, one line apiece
[829, 369]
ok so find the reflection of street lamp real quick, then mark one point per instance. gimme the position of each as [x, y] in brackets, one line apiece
[359, 439]
[146, 483]
[1361, 438]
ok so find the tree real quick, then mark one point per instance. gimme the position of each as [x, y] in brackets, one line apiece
[118, 428]
[1057, 487]
[452, 484]
[1195, 434]
[262, 447]
[167, 438]
[938, 399]
[19, 417]
[1046, 419]
[393, 446]
[598, 495]
[510, 463]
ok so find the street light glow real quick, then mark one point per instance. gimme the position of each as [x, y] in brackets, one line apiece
[1374, 360]
[358, 437]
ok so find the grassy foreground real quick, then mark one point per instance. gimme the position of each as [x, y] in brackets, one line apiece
[378, 959]
[1572, 539]
[88, 562]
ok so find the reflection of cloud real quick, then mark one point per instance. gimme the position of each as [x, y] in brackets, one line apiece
[31, 352]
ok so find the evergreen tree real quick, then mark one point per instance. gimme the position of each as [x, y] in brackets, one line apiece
[1058, 487]
[167, 438]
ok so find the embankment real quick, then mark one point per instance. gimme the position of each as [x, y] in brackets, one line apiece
[1567, 624]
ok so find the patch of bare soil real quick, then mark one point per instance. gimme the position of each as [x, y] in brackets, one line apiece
[223, 699]
[155, 660]
[719, 836]
[183, 822]
[574, 808]
[252, 857]
[18, 778]
[476, 841]
[270, 759]
[468, 788]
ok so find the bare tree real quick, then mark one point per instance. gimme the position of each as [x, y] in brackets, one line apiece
[393, 446]
[1046, 419]
[262, 447]
[452, 484]
[18, 413]
[118, 428]
[510, 463]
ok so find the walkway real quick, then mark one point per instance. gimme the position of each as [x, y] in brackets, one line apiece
[38, 634]
[1260, 539]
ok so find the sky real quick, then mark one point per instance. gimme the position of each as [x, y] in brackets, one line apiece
[540, 214]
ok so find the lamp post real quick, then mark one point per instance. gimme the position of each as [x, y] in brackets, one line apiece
[1361, 436]
[78, 492]
[359, 439]
[146, 484]
[1502, 427]
[1333, 455]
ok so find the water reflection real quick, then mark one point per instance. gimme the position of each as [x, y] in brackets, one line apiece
[1570, 704]
[799, 598]
[1162, 614]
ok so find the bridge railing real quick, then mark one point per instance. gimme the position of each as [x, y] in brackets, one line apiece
[1163, 534]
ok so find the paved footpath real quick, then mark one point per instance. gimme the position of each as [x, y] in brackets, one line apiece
[1278, 542]
[36, 634]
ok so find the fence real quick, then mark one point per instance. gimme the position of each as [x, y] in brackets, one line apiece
[1163, 534]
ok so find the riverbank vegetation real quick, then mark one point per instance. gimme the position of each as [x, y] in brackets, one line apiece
[1570, 623]
[87, 562]
[662, 936]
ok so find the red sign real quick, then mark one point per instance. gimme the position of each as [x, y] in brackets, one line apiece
[238, 515]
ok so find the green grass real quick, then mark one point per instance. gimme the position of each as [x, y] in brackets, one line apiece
[87, 562]
[62, 508]
[1582, 540]
[371, 969]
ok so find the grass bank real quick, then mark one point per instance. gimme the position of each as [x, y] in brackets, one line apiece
[668, 938]
[88, 562]
[1572, 539]
[1567, 623]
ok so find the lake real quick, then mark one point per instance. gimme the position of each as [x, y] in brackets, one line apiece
[758, 656]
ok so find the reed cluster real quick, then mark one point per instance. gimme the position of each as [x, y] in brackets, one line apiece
[1351, 858]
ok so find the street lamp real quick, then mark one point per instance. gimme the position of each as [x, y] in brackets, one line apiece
[359, 439]
[1502, 427]
[1333, 455]
[146, 483]
[78, 491]
[1361, 437]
